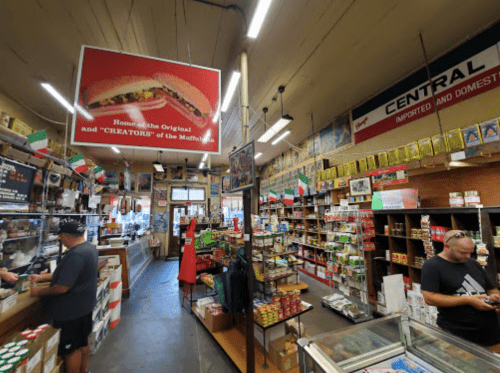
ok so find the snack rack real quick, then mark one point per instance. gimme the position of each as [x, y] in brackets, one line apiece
[359, 220]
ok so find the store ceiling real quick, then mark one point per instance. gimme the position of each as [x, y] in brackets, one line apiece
[330, 54]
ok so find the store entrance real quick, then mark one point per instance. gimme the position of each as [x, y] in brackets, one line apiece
[176, 211]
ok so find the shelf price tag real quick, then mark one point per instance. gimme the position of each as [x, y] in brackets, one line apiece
[344, 203]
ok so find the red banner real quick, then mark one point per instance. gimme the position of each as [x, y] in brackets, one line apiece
[136, 101]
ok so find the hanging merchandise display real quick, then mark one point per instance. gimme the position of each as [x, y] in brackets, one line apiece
[348, 240]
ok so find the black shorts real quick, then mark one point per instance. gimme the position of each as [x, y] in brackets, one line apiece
[74, 334]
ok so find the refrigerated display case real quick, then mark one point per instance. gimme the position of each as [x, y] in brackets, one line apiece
[391, 343]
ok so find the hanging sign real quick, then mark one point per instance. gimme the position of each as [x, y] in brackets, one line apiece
[469, 70]
[142, 102]
[242, 168]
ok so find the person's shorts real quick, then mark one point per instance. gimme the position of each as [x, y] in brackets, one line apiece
[74, 334]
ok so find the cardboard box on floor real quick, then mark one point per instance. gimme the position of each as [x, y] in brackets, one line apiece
[283, 362]
[113, 272]
[273, 333]
[219, 322]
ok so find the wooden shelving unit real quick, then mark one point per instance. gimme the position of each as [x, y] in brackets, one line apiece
[471, 219]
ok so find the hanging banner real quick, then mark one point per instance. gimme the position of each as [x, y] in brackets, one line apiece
[469, 70]
[395, 199]
[136, 101]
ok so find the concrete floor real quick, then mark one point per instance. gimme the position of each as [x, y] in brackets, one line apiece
[156, 334]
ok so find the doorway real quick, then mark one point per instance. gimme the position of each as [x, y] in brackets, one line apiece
[176, 211]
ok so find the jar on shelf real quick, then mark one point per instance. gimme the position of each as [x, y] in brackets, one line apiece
[472, 198]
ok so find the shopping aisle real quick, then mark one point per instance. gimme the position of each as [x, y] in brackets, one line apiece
[156, 334]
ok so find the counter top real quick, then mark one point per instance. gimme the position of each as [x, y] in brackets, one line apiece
[107, 247]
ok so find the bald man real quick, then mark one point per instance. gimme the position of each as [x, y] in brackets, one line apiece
[458, 286]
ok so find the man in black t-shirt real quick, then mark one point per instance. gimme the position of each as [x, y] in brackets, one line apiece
[458, 286]
[72, 291]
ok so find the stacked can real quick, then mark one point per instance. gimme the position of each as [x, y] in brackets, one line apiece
[426, 236]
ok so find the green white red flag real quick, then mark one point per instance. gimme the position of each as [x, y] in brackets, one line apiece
[288, 197]
[261, 199]
[303, 181]
[272, 195]
[99, 173]
[38, 141]
[78, 163]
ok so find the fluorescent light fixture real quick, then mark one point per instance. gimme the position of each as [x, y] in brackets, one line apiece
[115, 149]
[282, 136]
[256, 156]
[284, 121]
[230, 90]
[205, 157]
[84, 112]
[58, 97]
[258, 18]
[158, 167]
[202, 164]
[228, 170]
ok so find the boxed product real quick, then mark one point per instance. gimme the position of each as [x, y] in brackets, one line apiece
[381, 297]
[416, 287]
[353, 167]
[332, 173]
[455, 139]
[381, 309]
[20, 127]
[95, 336]
[363, 165]
[439, 144]
[115, 292]
[347, 169]
[403, 154]
[114, 272]
[392, 156]
[420, 300]
[272, 333]
[372, 162]
[412, 298]
[472, 136]
[216, 323]
[340, 171]
[382, 160]
[413, 151]
[425, 147]
[283, 352]
[489, 131]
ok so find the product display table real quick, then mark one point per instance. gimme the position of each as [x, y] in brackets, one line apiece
[233, 342]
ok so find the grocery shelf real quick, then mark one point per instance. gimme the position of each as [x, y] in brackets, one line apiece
[19, 238]
[288, 287]
[310, 308]
[317, 278]
[279, 254]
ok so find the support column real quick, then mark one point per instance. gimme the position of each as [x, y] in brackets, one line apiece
[247, 208]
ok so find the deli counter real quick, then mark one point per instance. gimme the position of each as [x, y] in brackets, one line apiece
[393, 343]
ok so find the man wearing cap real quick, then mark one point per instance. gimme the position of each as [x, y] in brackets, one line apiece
[460, 288]
[72, 292]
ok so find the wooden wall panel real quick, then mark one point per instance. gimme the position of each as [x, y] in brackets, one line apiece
[433, 189]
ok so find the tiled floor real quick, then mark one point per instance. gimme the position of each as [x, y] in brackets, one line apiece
[156, 334]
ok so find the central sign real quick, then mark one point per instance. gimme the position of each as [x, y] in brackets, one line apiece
[136, 101]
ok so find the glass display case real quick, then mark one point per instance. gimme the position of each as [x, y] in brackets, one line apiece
[393, 343]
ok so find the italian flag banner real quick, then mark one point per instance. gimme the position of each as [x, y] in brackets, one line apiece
[38, 141]
[261, 199]
[272, 195]
[289, 193]
[303, 181]
[78, 163]
[99, 173]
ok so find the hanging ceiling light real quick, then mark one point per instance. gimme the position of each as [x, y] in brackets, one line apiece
[284, 121]
[230, 90]
[258, 18]
[157, 165]
[115, 149]
[281, 137]
[48, 87]
[257, 155]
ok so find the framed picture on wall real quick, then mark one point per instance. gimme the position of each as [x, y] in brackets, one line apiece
[360, 187]
[144, 183]
[242, 167]
[176, 172]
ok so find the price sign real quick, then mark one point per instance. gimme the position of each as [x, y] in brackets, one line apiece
[16, 181]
